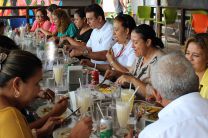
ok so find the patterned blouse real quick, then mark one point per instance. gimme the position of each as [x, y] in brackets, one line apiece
[142, 71]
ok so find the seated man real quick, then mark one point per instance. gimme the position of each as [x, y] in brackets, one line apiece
[100, 40]
[185, 112]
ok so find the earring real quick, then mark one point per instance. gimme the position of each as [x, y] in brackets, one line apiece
[16, 94]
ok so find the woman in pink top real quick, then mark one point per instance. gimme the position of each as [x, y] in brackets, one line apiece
[41, 21]
[53, 29]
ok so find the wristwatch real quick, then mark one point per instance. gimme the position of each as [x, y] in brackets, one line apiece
[85, 52]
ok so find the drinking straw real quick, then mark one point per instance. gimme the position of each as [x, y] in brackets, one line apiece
[95, 66]
[80, 83]
[130, 87]
[100, 110]
[45, 39]
[64, 55]
[133, 94]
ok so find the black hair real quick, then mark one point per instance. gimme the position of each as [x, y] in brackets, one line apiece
[18, 63]
[127, 21]
[44, 12]
[81, 13]
[96, 9]
[7, 44]
[2, 23]
[147, 32]
[52, 7]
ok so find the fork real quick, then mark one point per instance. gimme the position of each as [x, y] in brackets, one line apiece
[101, 82]
[68, 117]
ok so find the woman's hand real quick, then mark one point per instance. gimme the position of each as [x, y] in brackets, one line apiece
[63, 38]
[39, 30]
[150, 93]
[47, 94]
[48, 127]
[82, 129]
[124, 79]
[60, 107]
[110, 56]
[109, 73]
[27, 27]
[86, 62]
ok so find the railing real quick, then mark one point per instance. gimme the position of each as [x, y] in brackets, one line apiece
[27, 8]
[183, 14]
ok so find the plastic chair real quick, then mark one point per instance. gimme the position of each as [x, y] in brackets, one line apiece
[199, 23]
[170, 20]
[144, 13]
[190, 21]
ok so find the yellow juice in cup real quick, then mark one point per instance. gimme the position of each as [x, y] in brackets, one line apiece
[126, 95]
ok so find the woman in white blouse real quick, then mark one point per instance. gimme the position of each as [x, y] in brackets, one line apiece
[121, 56]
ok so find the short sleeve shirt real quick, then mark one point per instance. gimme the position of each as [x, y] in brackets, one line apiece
[71, 31]
[101, 39]
[125, 54]
[84, 37]
[142, 71]
[13, 124]
[45, 25]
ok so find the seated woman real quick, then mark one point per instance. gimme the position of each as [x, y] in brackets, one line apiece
[147, 48]
[84, 30]
[63, 23]
[196, 50]
[121, 56]
[7, 45]
[41, 21]
[53, 29]
[20, 75]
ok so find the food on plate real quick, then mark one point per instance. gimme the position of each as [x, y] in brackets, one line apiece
[153, 116]
[62, 133]
[65, 133]
[149, 108]
[149, 111]
[104, 88]
[46, 110]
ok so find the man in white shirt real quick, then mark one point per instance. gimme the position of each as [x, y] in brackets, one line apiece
[101, 38]
[185, 112]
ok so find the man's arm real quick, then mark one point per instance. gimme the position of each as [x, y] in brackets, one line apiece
[75, 51]
[100, 55]
[123, 4]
